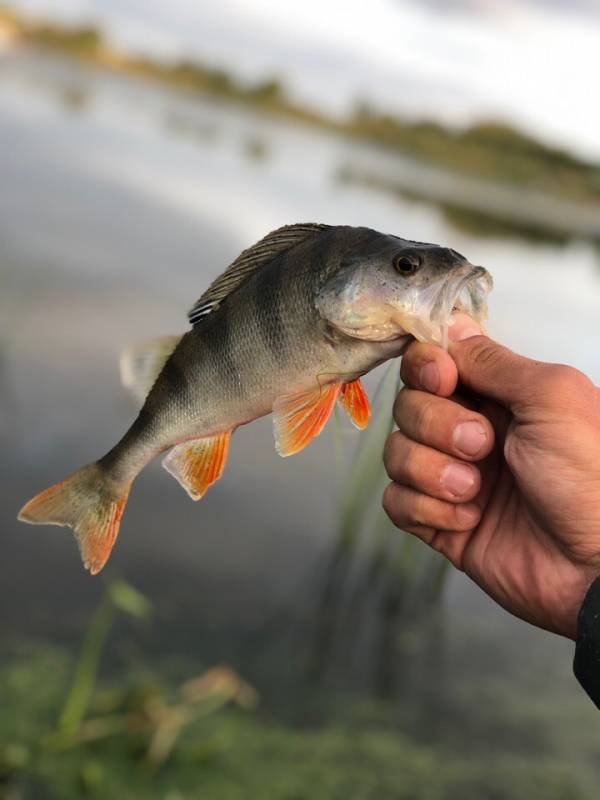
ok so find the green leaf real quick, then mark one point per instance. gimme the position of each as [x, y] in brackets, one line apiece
[126, 598]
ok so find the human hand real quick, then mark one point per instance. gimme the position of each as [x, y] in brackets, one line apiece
[496, 464]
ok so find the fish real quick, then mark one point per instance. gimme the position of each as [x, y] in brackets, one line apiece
[289, 328]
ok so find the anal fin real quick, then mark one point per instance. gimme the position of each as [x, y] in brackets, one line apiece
[299, 418]
[355, 402]
[199, 463]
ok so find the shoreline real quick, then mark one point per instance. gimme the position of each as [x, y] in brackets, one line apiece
[493, 180]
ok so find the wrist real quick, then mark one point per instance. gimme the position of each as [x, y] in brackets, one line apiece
[567, 622]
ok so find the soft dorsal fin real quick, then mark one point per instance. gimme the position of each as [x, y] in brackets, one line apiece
[141, 364]
[249, 261]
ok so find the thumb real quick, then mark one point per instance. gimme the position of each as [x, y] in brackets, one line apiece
[494, 371]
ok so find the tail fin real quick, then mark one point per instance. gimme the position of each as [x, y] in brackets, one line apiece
[89, 502]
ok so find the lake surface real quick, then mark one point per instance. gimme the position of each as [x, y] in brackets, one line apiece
[118, 204]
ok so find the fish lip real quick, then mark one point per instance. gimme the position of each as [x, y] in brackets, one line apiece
[427, 313]
[450, 297]
[449, 294]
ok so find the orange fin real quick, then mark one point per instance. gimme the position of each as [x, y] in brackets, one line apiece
[299, 418]
[355, 402]
[197, 464]
[90, 503]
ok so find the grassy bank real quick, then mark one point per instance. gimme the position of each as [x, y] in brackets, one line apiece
[228, 753]
[148, 730]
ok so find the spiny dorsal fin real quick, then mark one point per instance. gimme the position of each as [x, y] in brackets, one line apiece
[249, 261]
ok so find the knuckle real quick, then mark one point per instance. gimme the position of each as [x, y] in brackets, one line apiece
[400, 403]
[409, 374]
[425, 417]
[426, 534]
[438, 543]
[387, 501]
[410, 459]
[508, 450]
[446, 519]
[392, 453]
[512, 448]
[561, 379]
[414, 358]
[419, 515]
[404, 507]
[407, 365]
[486, 354]
[393, 506]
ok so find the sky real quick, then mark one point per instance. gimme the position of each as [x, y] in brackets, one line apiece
[532, 63]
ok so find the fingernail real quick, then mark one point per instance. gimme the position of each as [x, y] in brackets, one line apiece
[467, 515]
[429, 377]
[458, 479]
[470, 438]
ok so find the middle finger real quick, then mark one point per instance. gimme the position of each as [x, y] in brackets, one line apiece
[443, 424]
[429, 471]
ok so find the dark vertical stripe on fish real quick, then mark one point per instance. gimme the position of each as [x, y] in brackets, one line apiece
[269, 309]
[217, 343]
[173, 377]
[322, 257]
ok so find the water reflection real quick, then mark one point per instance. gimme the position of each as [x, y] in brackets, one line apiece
[75, 98]
[113, 220]
[255, 148]
[185, 125]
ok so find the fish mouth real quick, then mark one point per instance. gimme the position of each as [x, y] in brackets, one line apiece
[465, 291]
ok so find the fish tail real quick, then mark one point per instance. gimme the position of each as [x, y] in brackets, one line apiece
[90, 502]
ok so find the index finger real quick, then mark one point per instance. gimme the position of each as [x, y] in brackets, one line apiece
[431, 369]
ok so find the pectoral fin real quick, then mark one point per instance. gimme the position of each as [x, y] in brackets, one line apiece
[355, 402]
[299, 418]
[199, 463]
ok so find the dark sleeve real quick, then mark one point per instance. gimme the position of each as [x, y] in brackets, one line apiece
[586, 664]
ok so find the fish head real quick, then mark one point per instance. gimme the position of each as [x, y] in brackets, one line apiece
[400, 288]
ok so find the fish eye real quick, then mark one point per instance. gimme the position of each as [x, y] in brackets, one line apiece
[406, 265]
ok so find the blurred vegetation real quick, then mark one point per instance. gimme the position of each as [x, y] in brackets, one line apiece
[477, 221]
[234, 755]
[64, 734]
[378, 582]
[489, 151]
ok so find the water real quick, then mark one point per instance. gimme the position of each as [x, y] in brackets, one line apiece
[119, 204]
